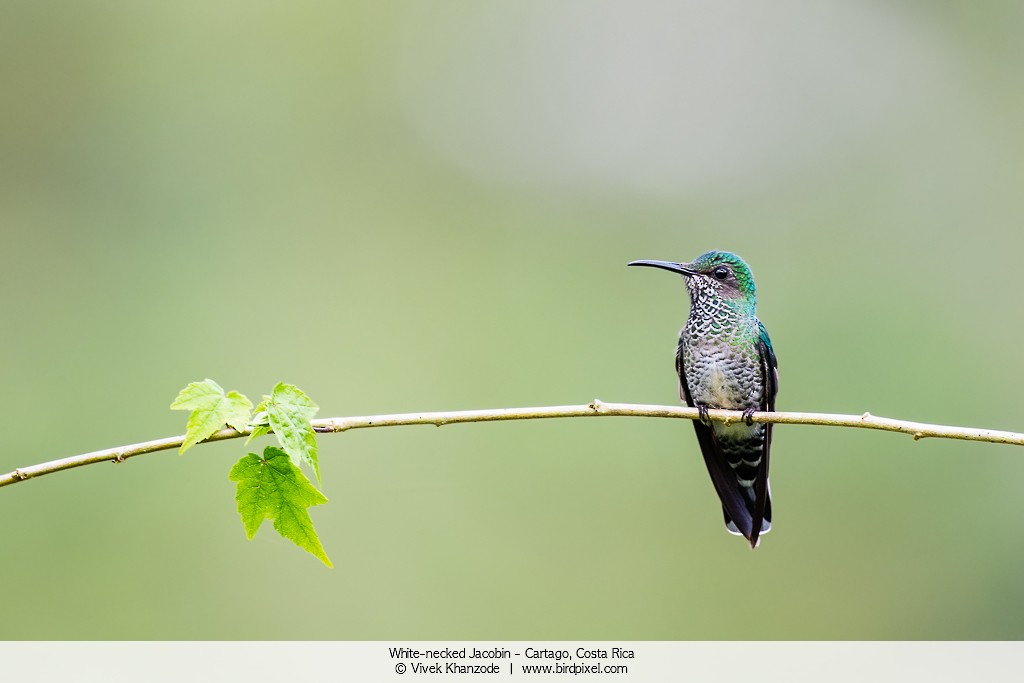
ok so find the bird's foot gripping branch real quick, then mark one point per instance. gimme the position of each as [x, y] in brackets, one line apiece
[272, 485]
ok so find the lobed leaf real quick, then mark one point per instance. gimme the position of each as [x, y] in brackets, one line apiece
[289, 410]
[237, 408]
[211, 410]
[272, 487]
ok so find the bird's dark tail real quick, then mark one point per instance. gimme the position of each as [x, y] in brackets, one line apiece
[766, 521]
[739, 472]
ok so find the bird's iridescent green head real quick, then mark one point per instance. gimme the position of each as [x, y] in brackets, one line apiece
[725, 272]
[719, 274]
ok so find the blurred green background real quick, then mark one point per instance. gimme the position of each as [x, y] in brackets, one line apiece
[429, 206]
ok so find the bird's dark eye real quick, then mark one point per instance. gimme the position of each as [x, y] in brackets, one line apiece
[720, 273]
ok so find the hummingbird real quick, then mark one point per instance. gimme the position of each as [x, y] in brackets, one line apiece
[725, 360]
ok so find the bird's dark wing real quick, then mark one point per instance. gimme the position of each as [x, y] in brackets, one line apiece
[770, 376]
[722, 475]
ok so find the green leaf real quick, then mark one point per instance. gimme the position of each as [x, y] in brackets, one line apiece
[290, 411]
[272, 487]
[262, 407]
[260, 421]
[238, 407]
[258, 430]
[211, 410]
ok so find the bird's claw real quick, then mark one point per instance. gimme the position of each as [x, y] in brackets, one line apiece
[748, 417]
[702, 414]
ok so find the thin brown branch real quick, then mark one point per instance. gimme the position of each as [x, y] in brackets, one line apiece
[918, 430]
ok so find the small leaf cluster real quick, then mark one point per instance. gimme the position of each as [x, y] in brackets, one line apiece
[269, 486]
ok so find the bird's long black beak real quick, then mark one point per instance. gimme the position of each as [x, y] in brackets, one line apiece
[681, 268]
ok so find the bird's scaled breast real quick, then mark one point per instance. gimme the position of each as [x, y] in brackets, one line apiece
[721, 390]
[720, 378]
